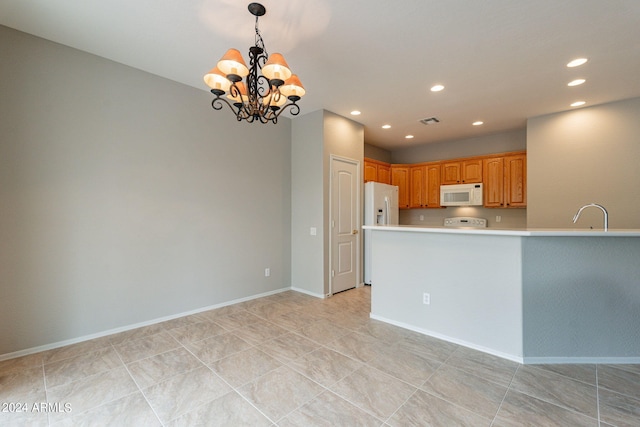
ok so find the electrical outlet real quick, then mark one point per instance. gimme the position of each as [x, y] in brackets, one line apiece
[421, 217]
[426, 298]
[498, 218]
[313, 231]
[267, 272]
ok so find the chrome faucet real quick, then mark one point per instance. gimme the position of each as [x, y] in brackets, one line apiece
[604, 211]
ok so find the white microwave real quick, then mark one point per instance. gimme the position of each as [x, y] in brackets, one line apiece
[461, 195]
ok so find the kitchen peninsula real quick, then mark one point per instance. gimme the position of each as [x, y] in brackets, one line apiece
[531, 295]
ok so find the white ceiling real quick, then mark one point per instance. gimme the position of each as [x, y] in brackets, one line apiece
[501, 61]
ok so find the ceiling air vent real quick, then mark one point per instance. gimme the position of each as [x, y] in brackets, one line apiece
[430, 121]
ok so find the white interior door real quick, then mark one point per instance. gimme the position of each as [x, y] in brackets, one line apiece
[345, 224]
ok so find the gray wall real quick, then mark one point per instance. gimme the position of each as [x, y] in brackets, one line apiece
[307, 198]
[581, 299]
[503, 142]
[583, 156]
[377, 153]
[315, 137]
[126, 198]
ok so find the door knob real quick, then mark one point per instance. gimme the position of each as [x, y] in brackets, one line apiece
[354, 232]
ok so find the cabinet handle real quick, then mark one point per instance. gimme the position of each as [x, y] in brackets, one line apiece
[354, 232]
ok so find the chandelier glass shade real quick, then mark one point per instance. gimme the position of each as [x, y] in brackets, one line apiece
[269, 87]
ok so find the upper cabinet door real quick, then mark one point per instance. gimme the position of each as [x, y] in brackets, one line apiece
[384, 174]
[515, 171]
[493, 180]
[370, 171]
[471, 171]
[400, 177]
[451, 173]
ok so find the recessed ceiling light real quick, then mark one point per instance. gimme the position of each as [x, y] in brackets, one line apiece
[437, 88]
[577, 62]
[409, 136]
[478, 123]
[576, 82]
[386, 126]
[578, 103]
[355, 113]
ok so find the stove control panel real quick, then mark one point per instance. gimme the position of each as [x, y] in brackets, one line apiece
[465, 221]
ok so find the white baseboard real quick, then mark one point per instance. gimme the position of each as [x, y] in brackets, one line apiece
[58, 344]
[304, 291]
[511, 357]
[582, 360]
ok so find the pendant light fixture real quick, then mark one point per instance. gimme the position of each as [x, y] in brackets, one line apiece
[270, 87]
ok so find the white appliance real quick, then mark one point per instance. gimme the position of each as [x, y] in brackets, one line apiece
[465, 222]
[461, 195]
[380, 208]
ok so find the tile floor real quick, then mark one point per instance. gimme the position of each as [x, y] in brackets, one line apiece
[294, 360]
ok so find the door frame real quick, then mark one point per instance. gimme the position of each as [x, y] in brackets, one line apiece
[358, 164]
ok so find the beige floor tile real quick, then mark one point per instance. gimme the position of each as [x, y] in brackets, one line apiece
[374, 391]
[147, 346]
[323, 331]
[184, 393]
[585, 373]
[293, 320]
[325, 366]
[483, 365]
[280, 392]
[358, 346]
[90, 392]
[423, 409]
[17, 386]
[23, 415]
[131, 410]
[84, 365]
[73, 350]
[413, 368]
[155, 369]
[180, 322]
[196, 332]
[245, 366]
[228, 410]
[383, 331]
[136, 334]
[21, 363]
[519, 410]
[260, 332]
[214, 348]
[431, 347]
[266, 311]
[288, 347]
[468, 391]
[622, 379]
[619, 410]
[556, 389]
[329, 410]
[237, 320]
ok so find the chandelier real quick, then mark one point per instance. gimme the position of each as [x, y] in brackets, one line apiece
[264, 96]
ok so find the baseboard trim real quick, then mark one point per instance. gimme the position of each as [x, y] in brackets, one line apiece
[493, 352]
[83, 338]
[304, 291]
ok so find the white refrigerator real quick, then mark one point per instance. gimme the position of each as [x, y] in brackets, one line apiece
[380, 208]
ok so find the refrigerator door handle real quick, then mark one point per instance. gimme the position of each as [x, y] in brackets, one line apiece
[387, 209]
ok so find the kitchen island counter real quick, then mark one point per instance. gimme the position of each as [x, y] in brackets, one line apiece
[529, 295]
[532, 232]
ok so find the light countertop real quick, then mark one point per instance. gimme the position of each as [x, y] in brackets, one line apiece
[532, 232]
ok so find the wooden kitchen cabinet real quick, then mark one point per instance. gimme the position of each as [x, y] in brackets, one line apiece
[461, 172]
[400, 176]
[377, 171]
[425, 186]
[505, 181]
[433, 185]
